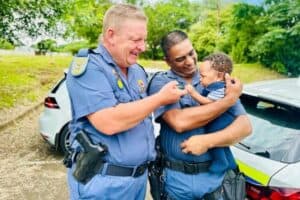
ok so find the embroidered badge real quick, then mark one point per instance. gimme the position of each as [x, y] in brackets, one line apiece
[141, 85]
[78, 66]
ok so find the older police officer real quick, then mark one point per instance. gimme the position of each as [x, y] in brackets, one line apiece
[110, 105]
[183, 142]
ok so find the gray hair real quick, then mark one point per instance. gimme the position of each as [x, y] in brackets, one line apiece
[116, 15]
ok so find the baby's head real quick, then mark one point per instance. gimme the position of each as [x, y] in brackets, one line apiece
[214, 67]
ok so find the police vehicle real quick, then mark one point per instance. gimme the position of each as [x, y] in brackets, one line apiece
[270, 157]
[55, 118]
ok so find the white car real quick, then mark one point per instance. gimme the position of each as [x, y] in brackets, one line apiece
[270, 157]
[54, 120]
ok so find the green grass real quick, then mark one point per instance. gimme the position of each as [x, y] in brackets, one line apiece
[248, 73]
[27, 78]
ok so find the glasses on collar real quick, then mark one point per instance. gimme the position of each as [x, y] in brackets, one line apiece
[183, 58]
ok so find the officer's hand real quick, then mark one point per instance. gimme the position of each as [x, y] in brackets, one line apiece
[234, 88]
[170, 93]
[196, 145]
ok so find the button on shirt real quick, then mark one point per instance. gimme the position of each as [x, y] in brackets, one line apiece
[103, 86]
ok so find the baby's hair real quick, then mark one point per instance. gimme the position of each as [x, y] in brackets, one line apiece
[220, 62]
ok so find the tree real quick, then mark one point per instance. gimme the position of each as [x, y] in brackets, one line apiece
[164, 17]
[85, 19]
[208, 34]
[242, 32]
[279, 46]
[31, 17]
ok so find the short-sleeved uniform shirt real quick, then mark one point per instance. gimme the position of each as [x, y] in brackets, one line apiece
[101, 86]
[170, 139]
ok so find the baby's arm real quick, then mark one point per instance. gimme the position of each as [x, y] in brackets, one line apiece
[198, 97]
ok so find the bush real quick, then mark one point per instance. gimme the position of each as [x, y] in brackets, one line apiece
[4, 44]
[45, 46]
[75, 46]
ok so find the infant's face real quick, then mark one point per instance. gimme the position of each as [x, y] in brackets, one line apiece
[208, 75]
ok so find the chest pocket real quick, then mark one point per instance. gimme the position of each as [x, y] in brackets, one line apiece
[122, 96]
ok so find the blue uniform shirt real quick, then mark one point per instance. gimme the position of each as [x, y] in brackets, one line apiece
[103, 86]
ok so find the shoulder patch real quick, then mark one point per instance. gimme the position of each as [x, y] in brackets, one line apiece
[79, 65]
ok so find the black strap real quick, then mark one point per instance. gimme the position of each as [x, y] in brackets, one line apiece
[185, 167]
[114, 170]
[150, 81]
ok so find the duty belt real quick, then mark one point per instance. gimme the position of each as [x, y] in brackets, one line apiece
[185, 167]
[115, 170]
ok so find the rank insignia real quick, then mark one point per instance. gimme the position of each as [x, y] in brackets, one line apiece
[78, 66]
[141, 85]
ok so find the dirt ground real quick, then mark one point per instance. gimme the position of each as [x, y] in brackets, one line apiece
[29, 168]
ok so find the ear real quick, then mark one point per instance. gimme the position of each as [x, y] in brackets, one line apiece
[221, 75]
[166, 59]
[110, 36]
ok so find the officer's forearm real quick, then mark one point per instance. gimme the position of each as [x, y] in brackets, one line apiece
[190, 118]
[124, 116]
[236, 131]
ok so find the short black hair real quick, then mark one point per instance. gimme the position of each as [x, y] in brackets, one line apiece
[170, 39]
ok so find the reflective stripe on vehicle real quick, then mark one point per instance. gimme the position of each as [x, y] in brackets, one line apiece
[253, 173]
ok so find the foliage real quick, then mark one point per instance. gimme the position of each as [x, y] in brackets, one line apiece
[279, 47]
[45, 46]
[4, 44]
[30, 17]
[75, 46]
[208, 34]
[243, 31]
[164, 17]
[204, 36]
[85, 18]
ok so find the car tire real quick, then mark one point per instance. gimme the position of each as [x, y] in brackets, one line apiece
[64, 139]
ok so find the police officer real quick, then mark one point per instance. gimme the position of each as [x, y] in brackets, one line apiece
[109, 103]
[183, 140]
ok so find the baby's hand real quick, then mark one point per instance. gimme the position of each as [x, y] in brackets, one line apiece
[191, 90]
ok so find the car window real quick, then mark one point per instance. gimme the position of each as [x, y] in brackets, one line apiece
[276, 130]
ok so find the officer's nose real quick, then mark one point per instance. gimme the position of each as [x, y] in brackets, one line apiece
[189, 60]
[142, 46]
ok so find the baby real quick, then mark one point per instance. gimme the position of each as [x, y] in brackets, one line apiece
[212, 72]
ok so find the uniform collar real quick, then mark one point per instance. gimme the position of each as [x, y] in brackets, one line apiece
[105, 54]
